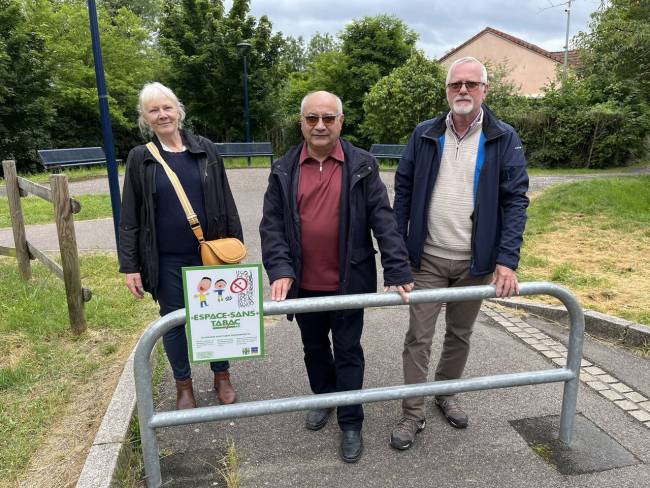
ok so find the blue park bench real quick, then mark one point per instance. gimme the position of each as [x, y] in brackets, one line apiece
[247, 149]
[387, 151]
[55, 159]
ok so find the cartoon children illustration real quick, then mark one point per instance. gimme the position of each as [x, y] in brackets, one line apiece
[202, 289]
[219, 288]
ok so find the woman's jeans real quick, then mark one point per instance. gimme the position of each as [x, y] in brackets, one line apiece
[170, 298]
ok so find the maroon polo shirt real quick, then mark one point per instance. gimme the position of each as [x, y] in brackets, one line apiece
[319, 197]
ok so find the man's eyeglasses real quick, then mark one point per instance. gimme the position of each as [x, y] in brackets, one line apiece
[312, 120]
[470, 85]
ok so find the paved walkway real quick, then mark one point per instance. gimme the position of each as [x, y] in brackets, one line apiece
[278, 451]
[248, 187]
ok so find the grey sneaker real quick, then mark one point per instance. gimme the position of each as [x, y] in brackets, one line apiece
[453, 413]
[404, 432]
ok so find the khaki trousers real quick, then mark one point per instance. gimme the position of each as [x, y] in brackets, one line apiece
[438, 272]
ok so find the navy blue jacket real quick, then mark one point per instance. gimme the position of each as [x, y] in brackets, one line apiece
[364, 206]
[500, 187]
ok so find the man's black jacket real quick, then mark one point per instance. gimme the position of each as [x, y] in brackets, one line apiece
[364, 206]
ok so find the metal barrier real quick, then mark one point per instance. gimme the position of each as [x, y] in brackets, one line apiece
[150, 421]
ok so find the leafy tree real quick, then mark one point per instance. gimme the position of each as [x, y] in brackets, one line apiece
[130, 60]
[580, 124]
[618, 44]
[321, 43]
[370, 48]
[148, 10]
[294, 53]
[599, 117]
[502, 92]
[206, 68]
[398, 102]
[25, 110]
[373, 46]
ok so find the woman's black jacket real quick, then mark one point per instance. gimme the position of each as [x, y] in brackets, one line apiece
[137, 250]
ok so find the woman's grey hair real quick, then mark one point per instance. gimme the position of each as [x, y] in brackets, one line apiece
[468, 59]
[151, 91]
[339, 103]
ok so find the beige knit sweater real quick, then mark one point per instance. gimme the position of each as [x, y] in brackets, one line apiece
[452, 201]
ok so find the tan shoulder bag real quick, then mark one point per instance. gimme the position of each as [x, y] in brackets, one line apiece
[228, 250]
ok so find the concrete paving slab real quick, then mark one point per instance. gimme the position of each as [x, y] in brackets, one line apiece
[591, 450]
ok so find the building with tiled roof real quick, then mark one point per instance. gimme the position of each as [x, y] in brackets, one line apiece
[530, 67]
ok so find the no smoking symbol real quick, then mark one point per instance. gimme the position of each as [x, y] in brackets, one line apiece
[238, 285]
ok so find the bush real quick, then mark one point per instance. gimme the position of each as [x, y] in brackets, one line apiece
[582, 124]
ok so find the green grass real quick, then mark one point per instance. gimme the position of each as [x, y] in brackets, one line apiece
[74, 174]
[39, 211]
[623, 202]
[256, 162]
[87, 172]
[544, 451]
[592, 237]
[43, 365]
[585, 171]
[230, 466]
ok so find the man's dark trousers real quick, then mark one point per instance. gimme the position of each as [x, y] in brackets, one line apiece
[342, 372]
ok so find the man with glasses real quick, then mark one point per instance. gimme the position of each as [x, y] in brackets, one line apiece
[460, 205]
[323, 198]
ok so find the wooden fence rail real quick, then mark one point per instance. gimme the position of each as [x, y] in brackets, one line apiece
[64, 207]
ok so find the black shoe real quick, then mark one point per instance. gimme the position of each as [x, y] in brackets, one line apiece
[453, 413]
[316, 419]
[351, 445]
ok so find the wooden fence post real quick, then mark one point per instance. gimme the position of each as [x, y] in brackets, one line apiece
[69, 256]
[17, 221]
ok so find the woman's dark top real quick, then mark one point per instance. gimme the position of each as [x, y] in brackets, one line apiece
[173, 232]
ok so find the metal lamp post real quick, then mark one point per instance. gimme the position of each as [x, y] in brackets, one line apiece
[107, 131]
[244, 48]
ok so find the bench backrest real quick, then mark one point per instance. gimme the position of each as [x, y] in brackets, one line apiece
[226, 149]
[389, 151]
[76, 156]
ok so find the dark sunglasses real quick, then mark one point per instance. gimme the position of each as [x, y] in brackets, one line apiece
[470, 85]
[312, 120]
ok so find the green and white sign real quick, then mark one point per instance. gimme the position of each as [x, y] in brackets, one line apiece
[224, 312]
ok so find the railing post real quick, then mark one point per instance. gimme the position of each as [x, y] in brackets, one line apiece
[574, 358]
[17, 221]
[144, 397]
[69, 256]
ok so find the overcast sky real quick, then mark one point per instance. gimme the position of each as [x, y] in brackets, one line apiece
[441, 24]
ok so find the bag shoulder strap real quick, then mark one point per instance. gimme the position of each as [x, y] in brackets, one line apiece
[192, 219]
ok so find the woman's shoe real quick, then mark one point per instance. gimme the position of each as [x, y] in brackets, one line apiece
[184, 394]
[223, 388]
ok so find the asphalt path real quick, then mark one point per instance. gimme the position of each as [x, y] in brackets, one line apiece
[278, 451]
[248, 187]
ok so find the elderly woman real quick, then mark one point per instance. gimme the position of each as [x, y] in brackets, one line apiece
[155, 237]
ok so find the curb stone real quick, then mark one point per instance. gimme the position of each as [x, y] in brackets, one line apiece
[105, 454]
[606, 384]
[596, 323]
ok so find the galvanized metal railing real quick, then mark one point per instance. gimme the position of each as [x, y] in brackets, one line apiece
[150, 420]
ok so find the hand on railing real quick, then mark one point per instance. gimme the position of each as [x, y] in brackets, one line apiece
[505, 281]
[403, 290]
[280, 288]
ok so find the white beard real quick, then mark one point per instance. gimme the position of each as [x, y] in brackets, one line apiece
[463, 108]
